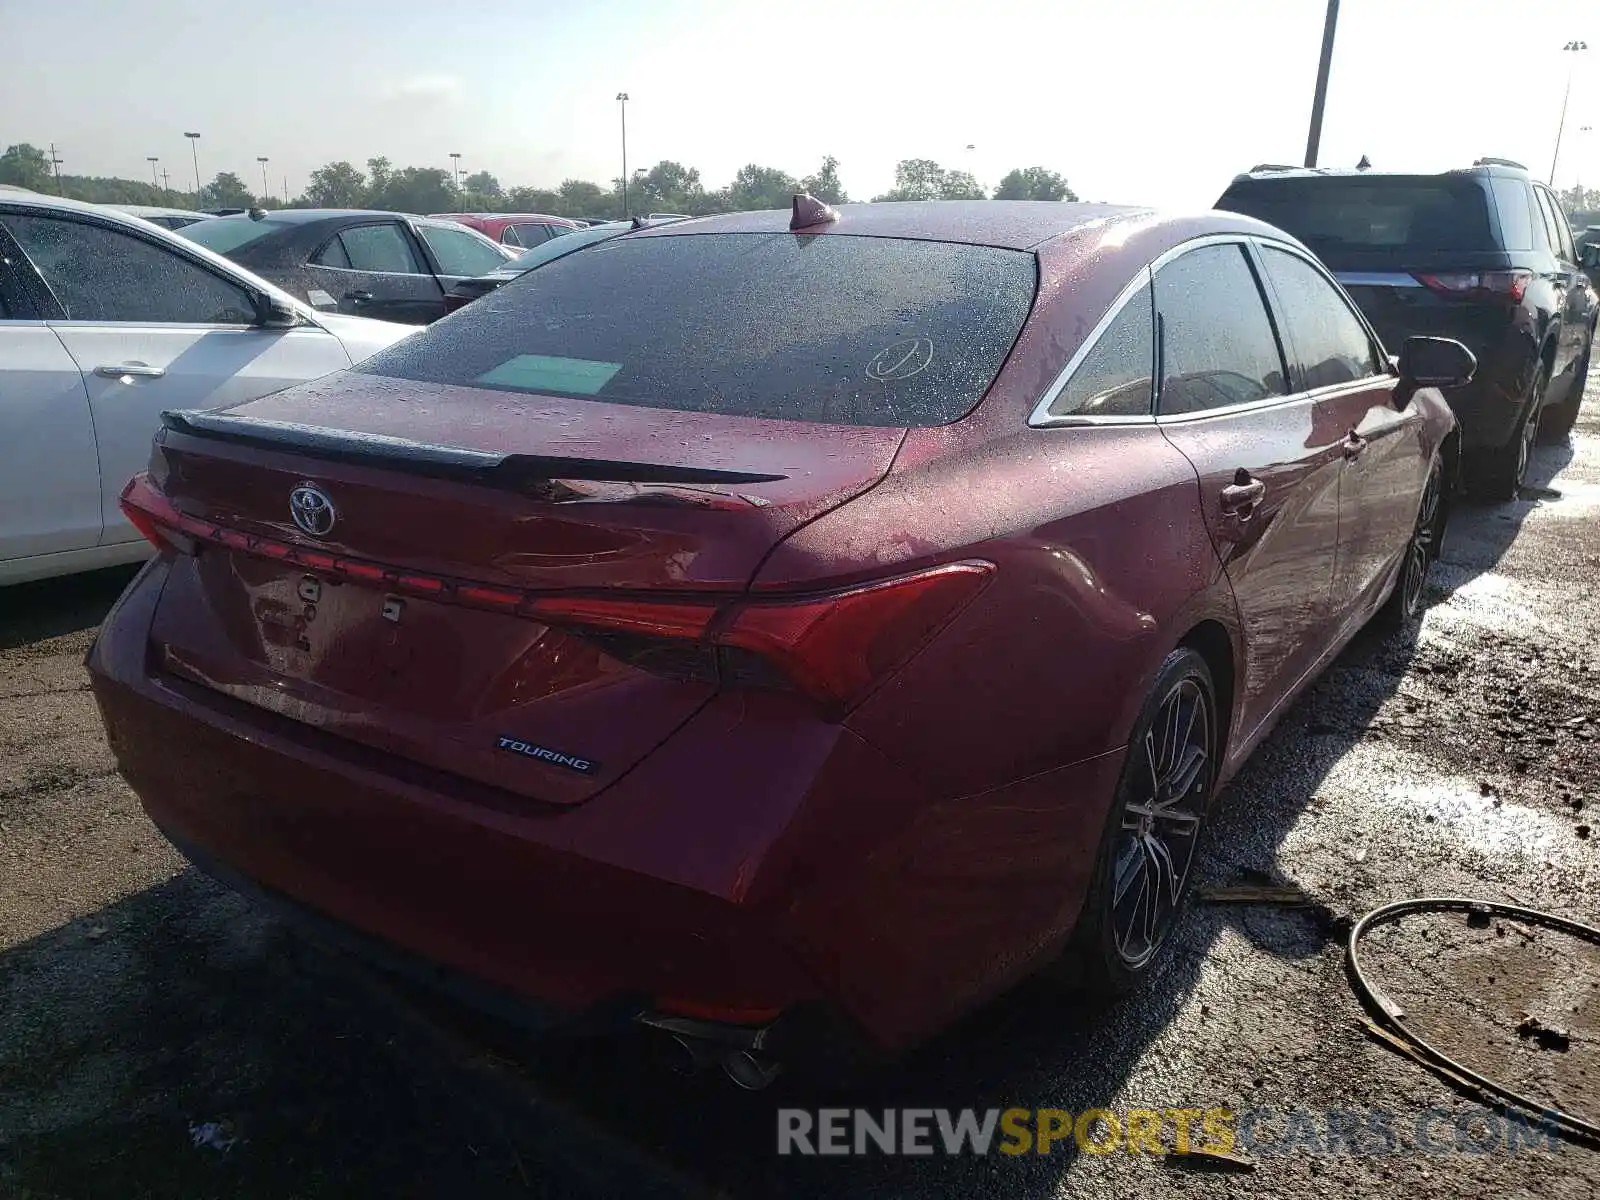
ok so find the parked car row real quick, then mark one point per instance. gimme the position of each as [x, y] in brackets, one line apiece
[390, 266]
[525, 230]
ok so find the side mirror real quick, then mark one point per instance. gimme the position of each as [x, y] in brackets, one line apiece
[273, 313]
[1435, 362]
[1589, 256]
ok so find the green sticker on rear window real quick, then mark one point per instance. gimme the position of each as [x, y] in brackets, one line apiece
[540, 373]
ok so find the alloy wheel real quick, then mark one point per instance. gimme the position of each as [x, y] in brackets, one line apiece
[1161, 822]
[1424, 544]
[1529, 433]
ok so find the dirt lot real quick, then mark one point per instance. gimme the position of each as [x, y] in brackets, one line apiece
[160, 1038]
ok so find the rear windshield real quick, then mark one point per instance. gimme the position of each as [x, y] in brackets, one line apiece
[227, 234]
[850, 330]
[1411, 213]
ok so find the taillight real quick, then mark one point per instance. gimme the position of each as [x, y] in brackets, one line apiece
[153, 515]
[1510, 286]
[833, 646]
[836, 646]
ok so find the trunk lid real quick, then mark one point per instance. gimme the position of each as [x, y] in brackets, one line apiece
[462, 491]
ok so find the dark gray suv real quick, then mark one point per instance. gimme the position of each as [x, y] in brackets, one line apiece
[1483, 255]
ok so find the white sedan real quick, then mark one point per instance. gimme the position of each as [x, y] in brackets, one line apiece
[106, 320]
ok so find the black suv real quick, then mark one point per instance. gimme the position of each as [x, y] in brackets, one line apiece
[1483, 255]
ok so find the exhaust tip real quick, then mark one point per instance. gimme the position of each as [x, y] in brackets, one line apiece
[749, 1071]
[685, 1056]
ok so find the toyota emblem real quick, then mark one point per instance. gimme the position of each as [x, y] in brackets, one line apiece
[311, 509]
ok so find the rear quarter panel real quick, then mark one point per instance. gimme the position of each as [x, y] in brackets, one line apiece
[1103, 564]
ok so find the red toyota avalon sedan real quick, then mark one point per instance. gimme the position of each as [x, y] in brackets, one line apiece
[772, 627]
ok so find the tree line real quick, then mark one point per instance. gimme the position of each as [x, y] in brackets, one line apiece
[666, 187]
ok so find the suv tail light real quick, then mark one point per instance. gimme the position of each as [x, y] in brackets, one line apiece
[833, 646]
[1510, 286]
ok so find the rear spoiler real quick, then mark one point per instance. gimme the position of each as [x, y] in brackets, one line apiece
[507, 472]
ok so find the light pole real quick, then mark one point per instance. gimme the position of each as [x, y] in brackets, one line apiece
[1572, 48]
[153, 159]
[266, 188]
[622, 100]
[455, 177]
[194, 148]
[1320, 97]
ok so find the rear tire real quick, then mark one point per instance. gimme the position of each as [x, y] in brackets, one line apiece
[1498, 475]
[1560, 418]
[1142, 876]
[1406, 602]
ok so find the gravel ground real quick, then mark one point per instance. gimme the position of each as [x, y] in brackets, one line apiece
[158, 1037]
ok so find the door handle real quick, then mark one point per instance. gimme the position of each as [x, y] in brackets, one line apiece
[1354, 444]
[125, 370]
[358, 297]
[1243, 494]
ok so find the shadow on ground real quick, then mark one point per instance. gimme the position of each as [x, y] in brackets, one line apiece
[31, 612]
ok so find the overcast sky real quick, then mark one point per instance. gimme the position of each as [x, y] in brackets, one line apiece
[1148, 101]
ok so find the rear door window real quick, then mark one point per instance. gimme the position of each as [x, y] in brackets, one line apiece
[1560, 230]
[460, 252]
[834, 328]
[102, 274]
[531, 235]
[1328, 342]
[384, 249]
[333, 255]
[1511, 199]
[1217, 345]
[1115, 377]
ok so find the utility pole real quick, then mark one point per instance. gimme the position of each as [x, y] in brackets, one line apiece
[166, 186]
[1570, 48]
[286, 191]
[1320, 98]
[622, 100]
[55, 162]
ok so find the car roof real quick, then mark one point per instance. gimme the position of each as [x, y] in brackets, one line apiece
[1012, 224]
[40, 200]
[500, 216]
[156, 210]
[1487, 166]
[339, 216]
[297, 216]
